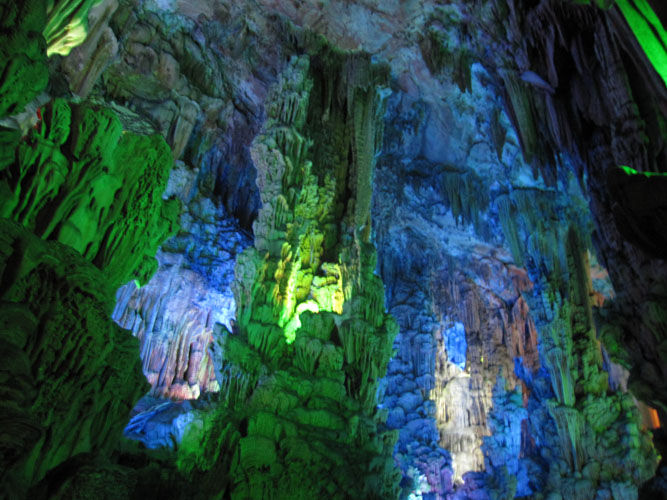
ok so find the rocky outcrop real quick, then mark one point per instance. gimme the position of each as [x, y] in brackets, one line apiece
[80, 179]
[66, 24]
[173, 319]
[187, 303]
[601, 108]
[497, 329]
[152, 63]
[200, 76]
[458, 295]
[70, 374]
[71, 186]
[23, 58]
[162, 424]
[86, 62]
[509, 375]
[302, 364]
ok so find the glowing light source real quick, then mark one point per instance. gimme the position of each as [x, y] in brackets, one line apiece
[327, 295]
[649, 31]
[655, 419]
[295, 323]
[632, 171]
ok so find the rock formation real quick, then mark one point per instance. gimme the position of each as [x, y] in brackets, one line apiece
[301, 367]
[82, 213]
[406, 249]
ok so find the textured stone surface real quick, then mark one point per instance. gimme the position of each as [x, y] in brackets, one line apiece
[186, 304]
[24, 65]
[495, 185]
[66, 24]
[80, 179]
[79, 372]
[86, 62]
[604, 111]
[201, 77]
[163, 71]
[301, 367]
[442, 260]
[161, 424]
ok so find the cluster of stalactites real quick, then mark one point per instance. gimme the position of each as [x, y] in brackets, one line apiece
[311, 341]
[67, 24]
[647, 28]
[81, 212]
[79, 179]
[598, 428]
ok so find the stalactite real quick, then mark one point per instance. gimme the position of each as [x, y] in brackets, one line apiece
[466, 195]
[569, 425]
[522, 112]
[507, 215]
[91, 190]
[312, 338]
[584, 408]
[86, 179]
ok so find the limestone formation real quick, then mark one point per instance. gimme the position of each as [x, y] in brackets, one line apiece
[70, 374]
[302, 364]
[407, 250]
[86, 62]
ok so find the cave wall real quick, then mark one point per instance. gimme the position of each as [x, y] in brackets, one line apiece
[82, 213]
[531, 213]
[70, 374]
[200, 79]
[455, 294]
[177, 71]
[486, 181]
[582, 89]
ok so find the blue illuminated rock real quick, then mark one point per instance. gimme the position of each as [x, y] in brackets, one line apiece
[456, 345]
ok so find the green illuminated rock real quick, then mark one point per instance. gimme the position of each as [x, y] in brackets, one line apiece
[70, 375]
[647, 28]
[592, 421]
[29, 32]
[81, 213]
[80, 179]
[649, 31]
[67, 24]
[23, 63]
[301, 369]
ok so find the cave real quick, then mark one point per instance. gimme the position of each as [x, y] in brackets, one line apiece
[333, 249]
